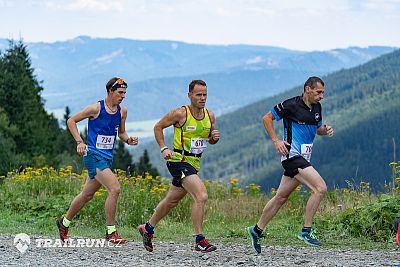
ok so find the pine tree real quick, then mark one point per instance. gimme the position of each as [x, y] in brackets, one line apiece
[122, 157]
[66, 143]
[7, 133]
[37, 131]
[144, 165]
[66, 116]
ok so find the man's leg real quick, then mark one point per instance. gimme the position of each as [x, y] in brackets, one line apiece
[195, 187]
[286, 187]
[77, 204]
[174, 195]
[311, 178]
[84, 197]
[107, 178]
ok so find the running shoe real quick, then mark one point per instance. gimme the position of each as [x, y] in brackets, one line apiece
[146, 237]
[204, 246]
[115, 238]
[255, 239]
[309, 237]
[62, 230]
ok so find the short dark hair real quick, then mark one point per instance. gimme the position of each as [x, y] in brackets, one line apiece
[194, 82]
[312, 82]
[110, 83]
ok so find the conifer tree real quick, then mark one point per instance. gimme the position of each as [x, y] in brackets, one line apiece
[37, 131]
[144, 165]
[122, 157]
[7, 155]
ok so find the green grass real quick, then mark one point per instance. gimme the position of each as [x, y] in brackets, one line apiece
[281, 231]
[346, 218]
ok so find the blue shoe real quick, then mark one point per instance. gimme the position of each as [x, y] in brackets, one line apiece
[255, 239]
[309, 237]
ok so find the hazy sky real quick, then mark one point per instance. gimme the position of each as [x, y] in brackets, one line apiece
[295, 24]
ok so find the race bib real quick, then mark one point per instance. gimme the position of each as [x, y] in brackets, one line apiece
[306, 150]
[105, 141]
[197, 145]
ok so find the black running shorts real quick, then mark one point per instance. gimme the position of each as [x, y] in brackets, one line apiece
[180, 170]
[292, 165]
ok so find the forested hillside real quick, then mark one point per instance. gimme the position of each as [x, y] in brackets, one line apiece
[362, 104]
[29, 136]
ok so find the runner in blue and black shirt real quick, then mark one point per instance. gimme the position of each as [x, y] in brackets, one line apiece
[302, 120]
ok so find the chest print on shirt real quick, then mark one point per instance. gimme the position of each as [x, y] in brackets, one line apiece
[317, 117]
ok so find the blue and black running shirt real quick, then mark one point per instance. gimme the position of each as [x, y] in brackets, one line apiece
[300, 125]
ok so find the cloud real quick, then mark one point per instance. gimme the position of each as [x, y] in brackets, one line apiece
[174, 46]
[105, 59]
[96, 5]
[254, 60]
[373, 5]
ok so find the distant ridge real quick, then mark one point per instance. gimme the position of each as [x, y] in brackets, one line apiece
[74, 71]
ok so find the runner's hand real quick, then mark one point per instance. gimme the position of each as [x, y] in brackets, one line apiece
[329, 130]
[81, 148]
[167, 154]
[280, 146]
[215, 135]
[132, 141]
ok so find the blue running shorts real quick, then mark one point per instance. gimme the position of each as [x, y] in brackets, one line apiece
[94, 161]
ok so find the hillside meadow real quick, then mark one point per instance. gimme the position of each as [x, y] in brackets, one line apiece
[352, 216]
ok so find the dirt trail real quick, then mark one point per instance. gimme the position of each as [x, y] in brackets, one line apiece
[181, 254]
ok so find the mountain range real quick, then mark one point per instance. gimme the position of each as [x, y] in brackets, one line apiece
[74, 72]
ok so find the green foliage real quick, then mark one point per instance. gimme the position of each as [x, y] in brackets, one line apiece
[122, 157]
[374, 220]
[36, 131]
[32, 199]
[144, 165]
[45, 193]
[123, 160]
[28, 135]
[7, 133]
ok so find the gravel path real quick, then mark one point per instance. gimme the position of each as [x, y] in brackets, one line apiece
[180, 254]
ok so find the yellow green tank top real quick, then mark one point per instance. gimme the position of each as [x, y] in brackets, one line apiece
[192, 138]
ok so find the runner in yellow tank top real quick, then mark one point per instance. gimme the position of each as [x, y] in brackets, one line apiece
[194, 127]
[190, 140]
